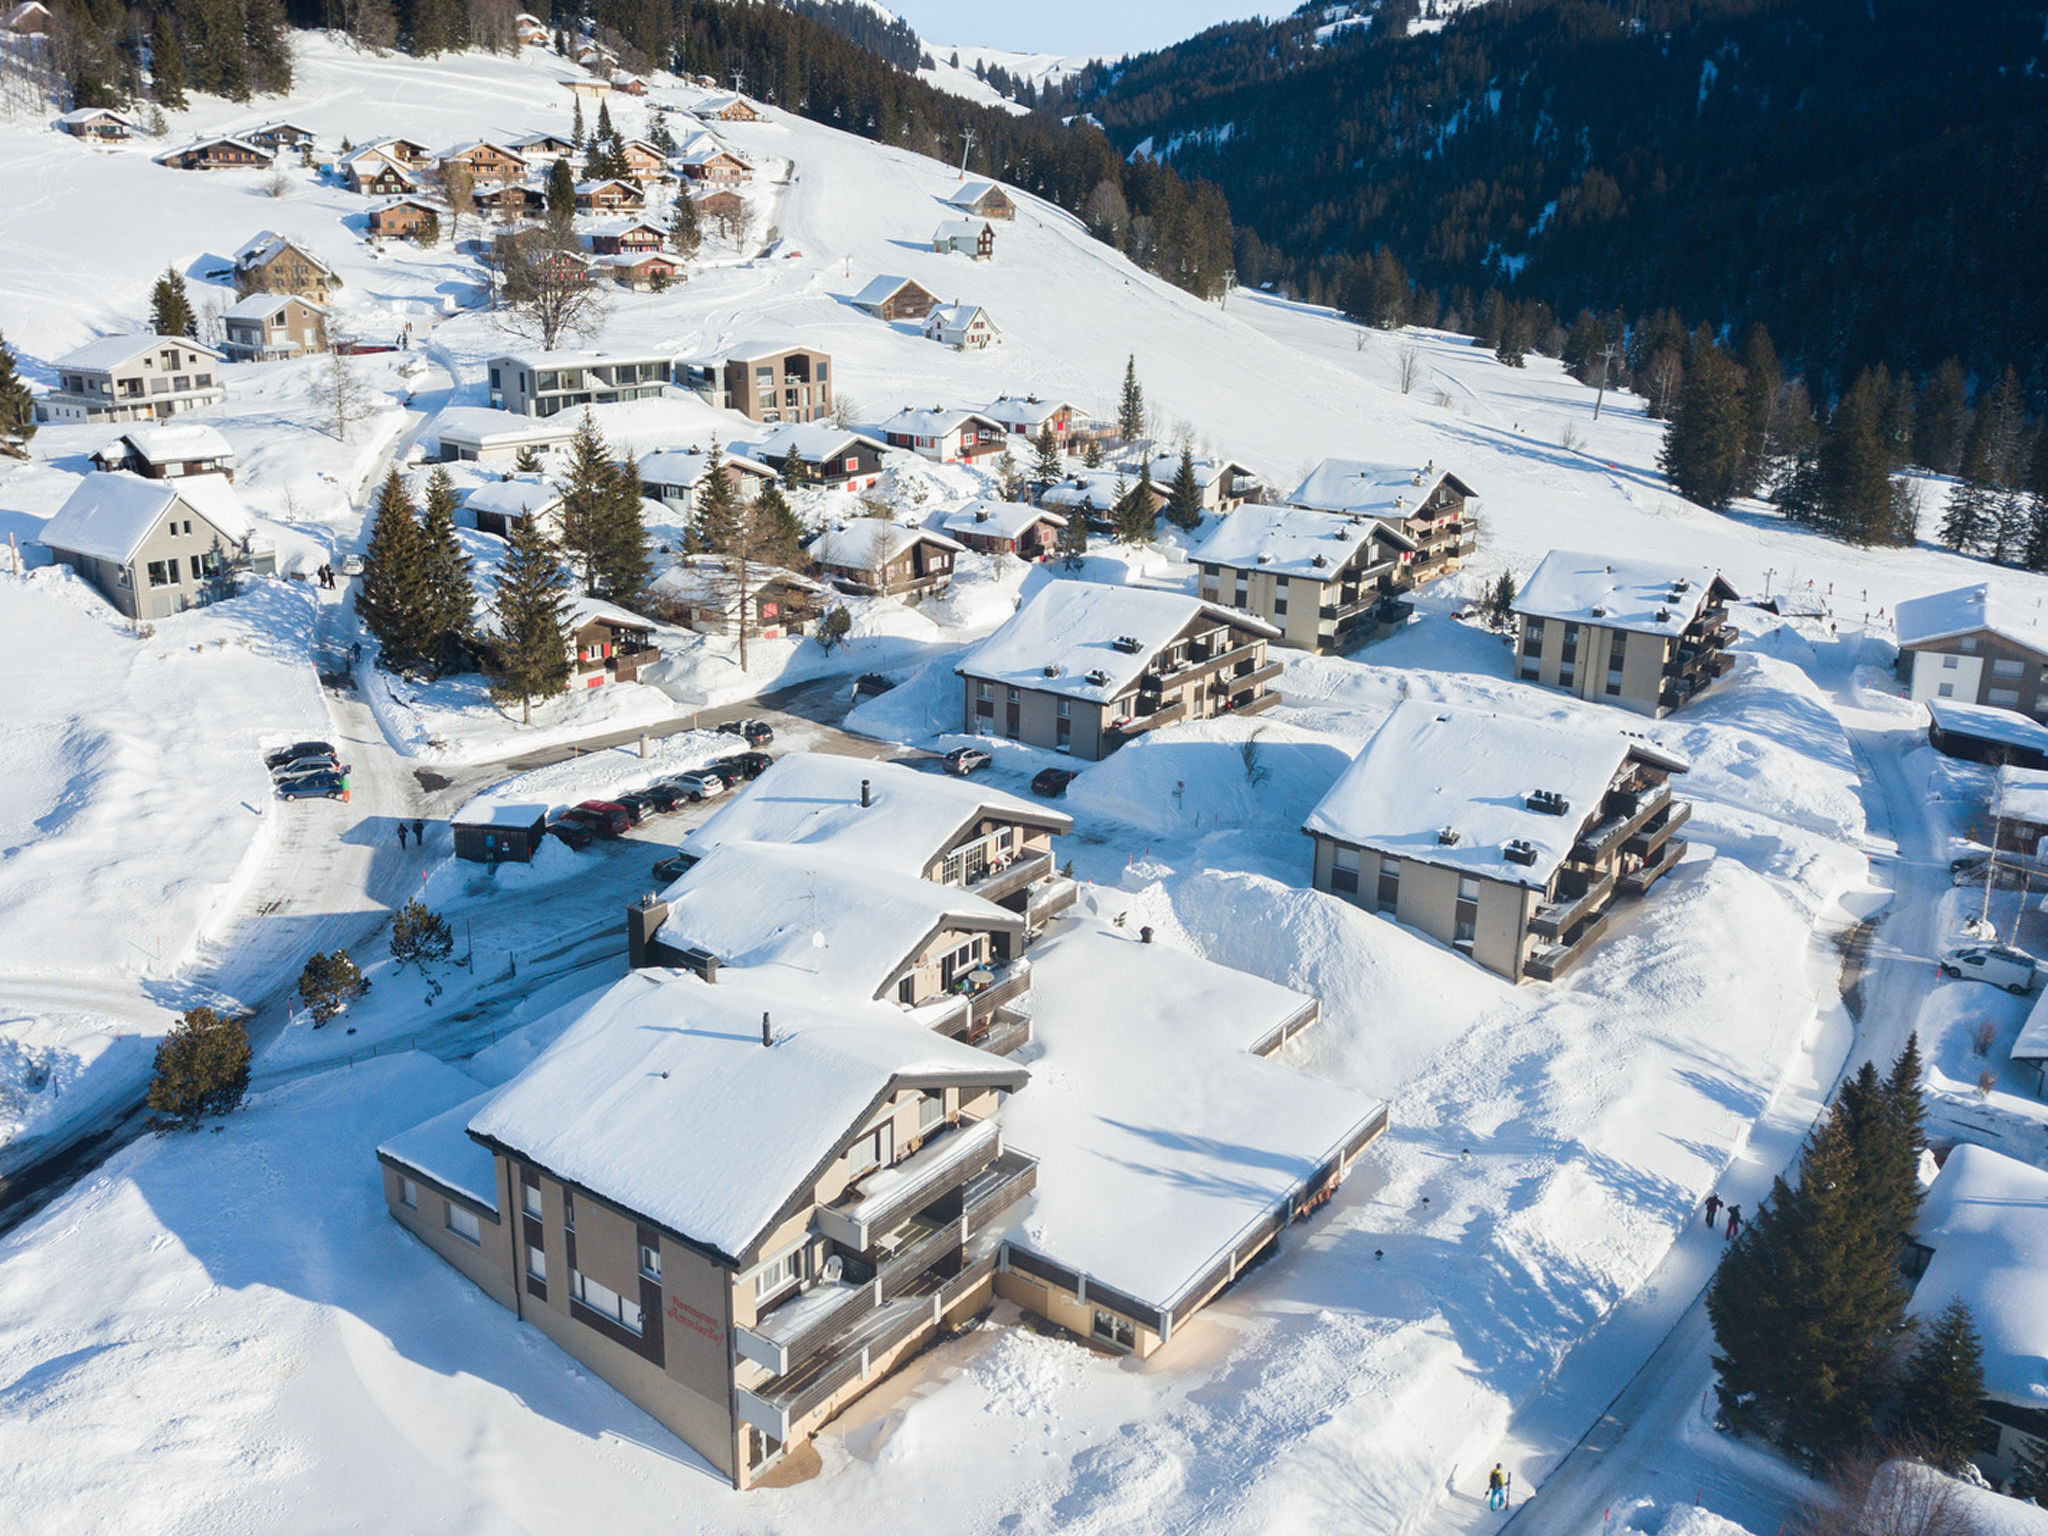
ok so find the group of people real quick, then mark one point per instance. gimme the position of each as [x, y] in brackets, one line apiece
[326, 576]
[1714, 1204]
[419, 834]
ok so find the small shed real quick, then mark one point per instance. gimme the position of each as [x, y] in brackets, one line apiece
[493, 831]
[1980, 733]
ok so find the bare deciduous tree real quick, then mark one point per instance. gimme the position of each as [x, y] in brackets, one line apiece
[1411, 366]
[547, 292]
[277, 184]
[342, 395]
[1874, 1496]
[458, 186]
[735, 223]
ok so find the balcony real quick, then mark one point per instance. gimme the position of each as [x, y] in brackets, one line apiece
[1254, 706]
[1006, 983]
[1006, 1033]
[1638, 882]
[1552, 961]
[1136, 725]
[1253, 678]
[1555, 917]
[1048, 900]
[999, 881]
[883, 1198]
[1625, 813]
[1655, 833]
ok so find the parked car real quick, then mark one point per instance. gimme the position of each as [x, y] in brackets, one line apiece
[313, 786]
[604, 817]
[298, 767]
[640, 805]
[663, 795]
[744, 765]
[576, 834]
[701, 785]
[1053, 782]
[870, 684]
[756, 733]
[962, 761]
[2011, 969]
[351, 565]
[672, 868]
[298, 749]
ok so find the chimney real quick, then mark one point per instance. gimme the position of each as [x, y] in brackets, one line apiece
[866, 799]
[1144, 935]
[767, 1029]
[643, 920]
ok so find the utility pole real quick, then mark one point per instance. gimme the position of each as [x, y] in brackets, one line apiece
[966, 144]
[1608, 354]
[1768, 574]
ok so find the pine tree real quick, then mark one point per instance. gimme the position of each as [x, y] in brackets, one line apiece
[561, 193]
[659, 136]
[1130, 410]
[683, 232]
[449, 599]
[1941, 420]
[170, 310]
[1184, 501]
[1967, 518]
[1881, 1116]
[391, 594]
[527, 461]
[1047, 467]
[1763, 380]
[1857, 496]
[268, 38]
[1995, 467]
[329, 983]
[576, 127]
[621, 566]
[1707, 450]
[17, 405]
[716, 507]
[202, 1067]
[2030, 1473]
[605, 130]
[1500, 601]
[166, 62]
[1132, 513]
[1512, 348]
[586, 492]
[1073, 539]
[1010, 482]
[530, 658]
[1941, 1398]
[1091, 453]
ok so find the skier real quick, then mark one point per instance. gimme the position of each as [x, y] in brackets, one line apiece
[1714, 1204]
[1496, 1489]
[1734, 1221]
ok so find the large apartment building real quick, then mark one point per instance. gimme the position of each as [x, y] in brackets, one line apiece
[1976, 646]
[1083, 668]
[1645, 636]
[1436, 511]
[548, 383]
[134, 378]
[1508, 839]
[1326, 583]
[765, 381]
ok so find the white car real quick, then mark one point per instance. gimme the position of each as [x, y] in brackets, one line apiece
[700, 785]
[2011, 969]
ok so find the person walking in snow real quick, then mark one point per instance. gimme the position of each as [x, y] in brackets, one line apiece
[401, 837]
[1713, 1207]
[419, 834]
[1734, 1221]
[1496, 1489]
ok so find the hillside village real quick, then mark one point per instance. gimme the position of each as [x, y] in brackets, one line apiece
[901, 841]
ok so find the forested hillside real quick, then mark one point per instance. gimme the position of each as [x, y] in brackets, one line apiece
[1864, 178]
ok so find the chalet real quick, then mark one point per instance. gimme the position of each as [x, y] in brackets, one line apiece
[1981, 1237]
[488, 164]
[895, 298]
[629, 85]
[616, 236]
[533, 32]
[1508, 839]
[538, 147]
[496, 505]
[983, 200]
[610, 195]
[643, 271]
[722, 204]
[1093, 494]
[217, 155]
[271, 263]
[1028, 416]
[703, 593]
[1976, 645]
[765, 381]
[1083, 668]
[740, 1300]
[1326, 583]
[589, 90]
[265, 327]
[606, 643]
[278, 135]
[949, 437]
[157, 547]
[643, 160]
[169, 452]
[726, 109]
[963, 327]
[714, 166]
[824, 455]
[1434, 508]
[133, 378]
[373, 174]
[1224, 483]
[99, 125]
[408, 153]
[31, 18]
[545, 383]
[478, 433]
[874, 557]
[1637, 633]
[511, 200]
[966, 237]
[673, 476]
[1005, 528]
[404, 218]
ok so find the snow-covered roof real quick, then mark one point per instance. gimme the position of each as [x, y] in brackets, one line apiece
[960, 229]
[490, 809]
[1967, 610]
[404, 200]
[823, 927]
[1288, 541]
[936, 422]
[1986, 1218]
[2032, 1041]
[110, 513]
[586, 188]
[882, 289]
[1646, 597]
[1163, 468]
[812, 441]
[107, 353]
[579, 611]
[208, 143]
[1985, 722]
[754, 348]
[261, 306]
[1031, 413]
[812, 800]
[441, 1149]
[623, 225]
[2024, 794]
[90, 114]
[1089, 490]
[1066, 634]
[685, 466]
[563, 359]
[470, 146]
[971, 194]
[520, 496]
[1376, 490]
[1435, 766]
[663, 1099]
[998, 519]
[266, 245]
[959, 317]
[700, 153]
[174, 443]
[869, 543]
[482, 426]
[703, 579]
[1161, 1140]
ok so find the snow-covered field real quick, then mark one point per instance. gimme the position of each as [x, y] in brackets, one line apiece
[230, 1321]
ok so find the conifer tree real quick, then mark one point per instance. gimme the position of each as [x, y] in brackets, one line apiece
[1994, 469]
[170, 310]
[1010, 482]
[267, 37]
[1184, 501]
[1073, 540]
[1130, 410]
[530, 659]
[448, 597]
[1132, 514]
[1941, 1398]
[576, 127]
[391, 594]
[1762, 382]
[683, 231]
[1091, 453]
[527, 461]
[621, 565]
[1047, 467]
[202, 1067]
[1707, 450]
[659, 136]
[605, 130]
[1500, 601]
[714, 512]
[1858, 498]
[589, 493]
[17, 405]
[166, 62]
[1941, 419]
[1512, 348]
[1967, 518]
[561, 192]
[2030, 1473]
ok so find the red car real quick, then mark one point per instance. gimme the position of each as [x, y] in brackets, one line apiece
[604, 817]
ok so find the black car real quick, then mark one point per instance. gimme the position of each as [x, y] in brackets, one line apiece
[1053, 782]
[639, 804]
[577, 834]
[743, 765]
[869, 685]
[756, 733]
[298, 749]
[663, 795]
[311, 786]
[672, 868]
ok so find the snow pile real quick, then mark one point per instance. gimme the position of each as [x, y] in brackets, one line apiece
[1210, 774]
[455, 720]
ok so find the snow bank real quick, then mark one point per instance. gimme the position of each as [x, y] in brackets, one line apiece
[1212, 773]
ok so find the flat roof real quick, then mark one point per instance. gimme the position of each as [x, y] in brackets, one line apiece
[485, 426]
[1642, 596]
[1986, 1218]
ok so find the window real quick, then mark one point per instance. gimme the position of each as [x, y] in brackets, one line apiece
[1947, 691]
[1344, 870]
[1967, 643]
[163, 573]
[530, 1199]
[568, 1211]
[537, 1261]
[1014, 696]
[1613, 683]
[408, 1194]
[2004, 698]
[605, 1301]
[1115, 1330]
[984, 690]
[906, 990]
[1064, 709]
[650, 1261]
[1468, 887]
[1390, 884]
[465, 1225]
[1566, 672]
[931, 1110]
[2008, 669]
[779, 1275]
[205, 565]
[1950, 663]
[1280, 600]
[1532, 639]
[872, 1150]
